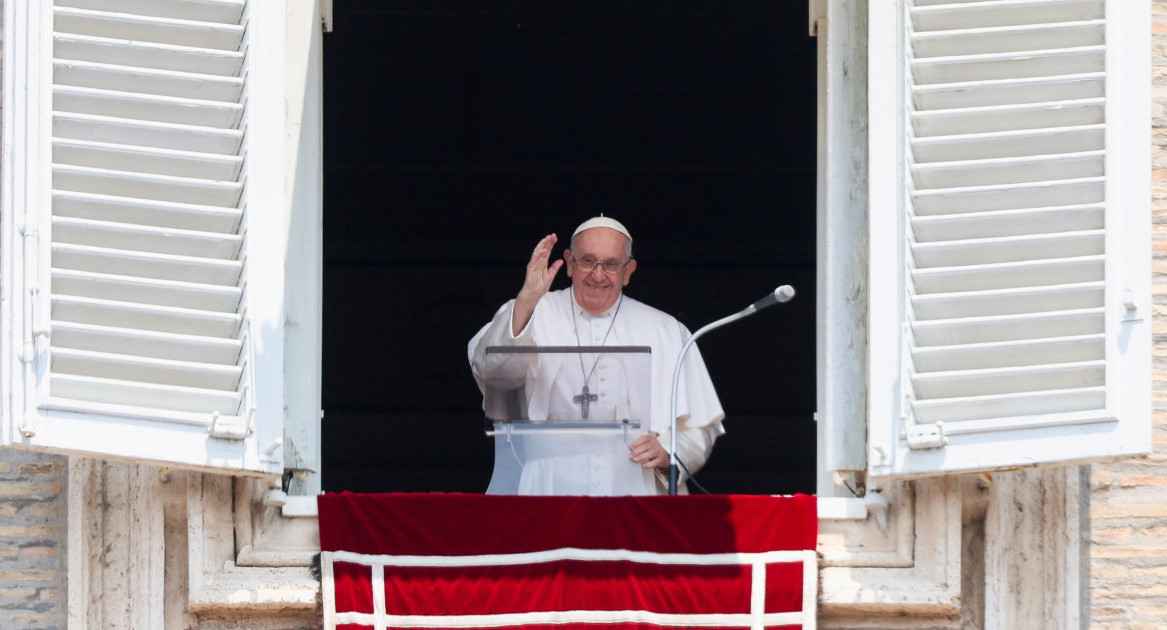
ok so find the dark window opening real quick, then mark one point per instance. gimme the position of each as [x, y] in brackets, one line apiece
[457, 133]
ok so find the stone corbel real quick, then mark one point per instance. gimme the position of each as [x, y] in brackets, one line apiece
[907, 562]
[265, 535]
[260, 570]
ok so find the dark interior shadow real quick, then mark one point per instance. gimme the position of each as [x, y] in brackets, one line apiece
[457, 133]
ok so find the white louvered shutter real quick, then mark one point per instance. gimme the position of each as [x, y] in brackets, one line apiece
[1010, 227]
[142, 231]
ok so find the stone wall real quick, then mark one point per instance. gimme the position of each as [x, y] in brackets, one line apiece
[32, 540]
[1126, 555]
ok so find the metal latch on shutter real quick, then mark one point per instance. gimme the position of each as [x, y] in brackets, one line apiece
[1130, 311]
[926, 436]
[231, 427]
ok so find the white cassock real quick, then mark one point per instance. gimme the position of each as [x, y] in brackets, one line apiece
[600, 465]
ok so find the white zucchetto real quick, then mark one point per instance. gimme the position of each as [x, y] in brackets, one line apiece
[602, 221]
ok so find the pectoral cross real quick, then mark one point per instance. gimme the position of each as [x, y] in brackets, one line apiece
[585, 398]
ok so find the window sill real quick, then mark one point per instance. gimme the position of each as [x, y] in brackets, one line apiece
[842, 509]
[829, 508]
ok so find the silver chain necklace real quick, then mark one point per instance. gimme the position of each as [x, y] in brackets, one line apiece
[586, 397]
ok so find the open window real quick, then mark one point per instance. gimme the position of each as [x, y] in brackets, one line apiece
[486, 125]
[153, 206]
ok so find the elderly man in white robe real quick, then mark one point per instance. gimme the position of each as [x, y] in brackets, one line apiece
[595, 312]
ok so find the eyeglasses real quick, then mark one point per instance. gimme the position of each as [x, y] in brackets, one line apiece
[587, 264]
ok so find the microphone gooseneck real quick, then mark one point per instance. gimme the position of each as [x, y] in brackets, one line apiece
[782, 294]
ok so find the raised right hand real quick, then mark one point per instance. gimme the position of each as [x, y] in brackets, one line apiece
[537, 282]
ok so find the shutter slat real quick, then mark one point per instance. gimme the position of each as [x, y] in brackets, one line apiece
[139, 238]
[978, 41]
[156, 82]
[175, 32]
[1014, 65]
[146, 107]
[950, 122]
[1009, 223]
[122, 314]
[139, 290]
[1028, 351]
[118, 52]
[1066, 87]
[146, 212]
[1009, 170]
[120, 157]
[1008, 196]
[1013, 327]
[146, 343]
[949, 16]
[146, 133]
[104, 181]
[962, 384]
[1008, 249]
[224, 11]
[1006, 144]
[1008, 275]
[1066, 297]
[188, 405]
[1009, 406]
[146, 265]
[146, 370]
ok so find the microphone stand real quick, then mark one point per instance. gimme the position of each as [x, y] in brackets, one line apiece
[781, 294]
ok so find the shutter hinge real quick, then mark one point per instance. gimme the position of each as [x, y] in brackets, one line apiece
[926, 436]
[817, 15]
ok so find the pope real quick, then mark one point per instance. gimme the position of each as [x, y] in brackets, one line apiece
[595, 311]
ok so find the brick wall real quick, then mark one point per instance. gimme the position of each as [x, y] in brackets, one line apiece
[32, 540]
[1126, 558]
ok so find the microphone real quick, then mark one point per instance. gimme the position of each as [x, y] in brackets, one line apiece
[782, 294]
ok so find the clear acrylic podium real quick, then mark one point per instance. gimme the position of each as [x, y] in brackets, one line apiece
[562, 418]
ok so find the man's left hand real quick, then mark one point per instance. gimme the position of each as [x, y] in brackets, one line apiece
[648, 452]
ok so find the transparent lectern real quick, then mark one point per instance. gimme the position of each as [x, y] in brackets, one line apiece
[563, 417]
